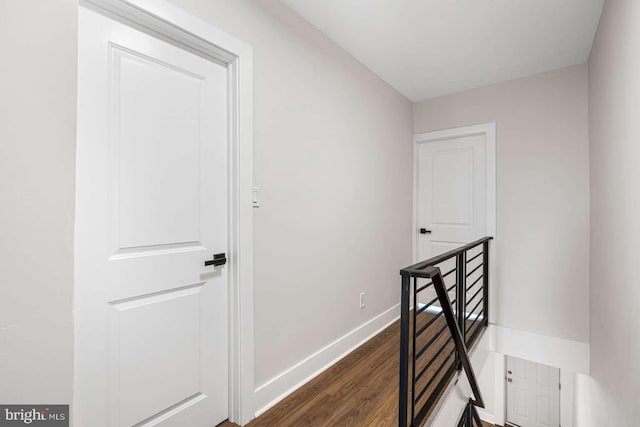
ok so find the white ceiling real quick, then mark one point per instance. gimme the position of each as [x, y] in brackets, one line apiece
[428, 48]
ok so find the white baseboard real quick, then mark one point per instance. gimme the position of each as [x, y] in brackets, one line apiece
[486, 416]
[279, 387]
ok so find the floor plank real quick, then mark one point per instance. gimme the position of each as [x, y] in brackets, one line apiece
[360, 390]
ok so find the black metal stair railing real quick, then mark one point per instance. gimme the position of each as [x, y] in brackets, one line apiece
[450, 311]
[470, 416]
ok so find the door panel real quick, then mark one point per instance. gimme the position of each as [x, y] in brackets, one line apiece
[155, 207]
[452, 187]
[533, 394]
[543, 407]
[451, 193]
[517, 398]
[167, 324]
[520, 402]
[151, 319]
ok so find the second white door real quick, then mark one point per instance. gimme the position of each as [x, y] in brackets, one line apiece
[533, 394]
[151, 317]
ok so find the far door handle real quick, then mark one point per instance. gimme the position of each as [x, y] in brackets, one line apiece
[425, 231]
[218, 259]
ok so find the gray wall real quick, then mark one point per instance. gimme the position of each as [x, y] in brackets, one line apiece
[542, 249]
[614, 116]
[333, 161]
[37, 142]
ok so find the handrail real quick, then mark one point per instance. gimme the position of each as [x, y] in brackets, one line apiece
[463, 332]
[416, 270]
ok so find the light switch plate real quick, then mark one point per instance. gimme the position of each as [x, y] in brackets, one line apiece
[255, 198]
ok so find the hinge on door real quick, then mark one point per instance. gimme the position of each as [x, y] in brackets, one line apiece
[559, 386]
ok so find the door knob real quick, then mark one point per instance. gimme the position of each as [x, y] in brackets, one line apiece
[509, 379]
[425, 231]
[218, 259]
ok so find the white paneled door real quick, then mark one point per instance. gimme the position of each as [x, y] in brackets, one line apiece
[151, 318]
[451, 191]
[533, 394]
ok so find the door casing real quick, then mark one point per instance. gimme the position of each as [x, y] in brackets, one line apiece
[169, 23]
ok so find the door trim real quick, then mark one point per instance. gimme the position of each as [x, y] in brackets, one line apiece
[489, 130]
[170, 23]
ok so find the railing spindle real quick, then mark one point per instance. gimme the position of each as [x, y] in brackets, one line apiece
[404, 352]
[413, 350]
[485, 281]
[462, 291]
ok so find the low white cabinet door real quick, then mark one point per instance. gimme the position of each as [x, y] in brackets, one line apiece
[533, 394]
[151, 318]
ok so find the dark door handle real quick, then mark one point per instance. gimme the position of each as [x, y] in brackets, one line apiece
[425, 231]
[218, 259]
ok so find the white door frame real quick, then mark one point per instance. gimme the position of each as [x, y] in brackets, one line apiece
[172, 24]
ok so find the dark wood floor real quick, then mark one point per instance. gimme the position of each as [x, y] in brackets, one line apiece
[360, 390]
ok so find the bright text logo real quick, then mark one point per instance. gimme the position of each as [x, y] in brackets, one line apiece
[35, 415]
